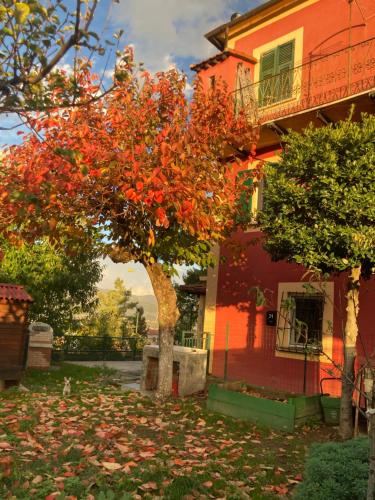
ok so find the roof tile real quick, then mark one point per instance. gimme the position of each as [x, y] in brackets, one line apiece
[16, 293]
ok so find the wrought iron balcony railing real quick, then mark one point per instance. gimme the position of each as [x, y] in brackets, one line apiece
[323, 80]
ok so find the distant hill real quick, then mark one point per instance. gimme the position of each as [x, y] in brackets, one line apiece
[150, 306]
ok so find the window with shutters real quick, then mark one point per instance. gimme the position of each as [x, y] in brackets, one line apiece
[250, 201]
[245, 201]
[276, 74]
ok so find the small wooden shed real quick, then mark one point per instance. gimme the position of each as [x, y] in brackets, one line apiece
[14, 305]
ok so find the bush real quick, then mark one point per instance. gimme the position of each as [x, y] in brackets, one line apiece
[336, 471]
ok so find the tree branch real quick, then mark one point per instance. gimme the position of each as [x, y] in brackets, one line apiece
[73, 40]
[119, 254]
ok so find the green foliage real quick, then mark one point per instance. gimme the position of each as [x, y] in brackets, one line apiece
[181, 486]
[116, 314]
[110, 495]
[336, 470]
[320, 199]
[188, 303]
[187, 250]
[61, 285]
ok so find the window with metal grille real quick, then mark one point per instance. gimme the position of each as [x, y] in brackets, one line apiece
[244, 96]
[306, 319]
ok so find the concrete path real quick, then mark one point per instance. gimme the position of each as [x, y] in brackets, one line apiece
[130, 369]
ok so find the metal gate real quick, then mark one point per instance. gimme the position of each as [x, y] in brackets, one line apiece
[87, 348]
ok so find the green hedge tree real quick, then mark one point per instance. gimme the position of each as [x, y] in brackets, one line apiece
[320, 212]
[336, 471]
[62, 286]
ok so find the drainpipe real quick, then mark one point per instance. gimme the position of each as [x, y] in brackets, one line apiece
[350, 48]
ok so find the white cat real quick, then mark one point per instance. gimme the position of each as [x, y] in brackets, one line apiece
[66, 390]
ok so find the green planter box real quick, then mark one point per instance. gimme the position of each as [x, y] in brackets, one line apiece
[331, 409]
[274, 414]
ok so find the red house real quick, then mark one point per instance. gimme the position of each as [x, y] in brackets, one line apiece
[290, 62]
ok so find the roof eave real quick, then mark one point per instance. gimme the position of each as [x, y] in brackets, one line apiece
[221, 56]
[212, 36]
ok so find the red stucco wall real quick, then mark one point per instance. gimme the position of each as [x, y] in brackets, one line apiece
[226, 70]
[325, 26]
[252, 344]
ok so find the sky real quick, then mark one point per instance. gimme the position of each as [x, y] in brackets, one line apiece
[171, 32]
[165, 34]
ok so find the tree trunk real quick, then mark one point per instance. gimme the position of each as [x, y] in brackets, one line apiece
[371, 418]
[168, 315]
[350, 339]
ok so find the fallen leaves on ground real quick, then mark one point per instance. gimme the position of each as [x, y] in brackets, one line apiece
[107, 444]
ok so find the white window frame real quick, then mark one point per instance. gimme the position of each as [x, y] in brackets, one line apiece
[283, 346]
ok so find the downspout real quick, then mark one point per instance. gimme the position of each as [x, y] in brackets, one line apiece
[350, 49]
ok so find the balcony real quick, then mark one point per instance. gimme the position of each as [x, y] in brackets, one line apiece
[322, 81]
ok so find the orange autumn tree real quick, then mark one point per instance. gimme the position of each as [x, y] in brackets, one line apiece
[151, 169]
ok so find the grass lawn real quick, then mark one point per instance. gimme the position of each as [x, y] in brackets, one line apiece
[107, 444]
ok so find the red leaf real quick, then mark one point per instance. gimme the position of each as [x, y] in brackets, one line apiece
[4, 445]
[149, 486]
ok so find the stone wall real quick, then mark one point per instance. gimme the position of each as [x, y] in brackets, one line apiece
[40, 346]
[39, 357]
[189, 369]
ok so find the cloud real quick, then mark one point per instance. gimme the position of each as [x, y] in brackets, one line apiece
[189, 90]
[67, 67]
[164, 31]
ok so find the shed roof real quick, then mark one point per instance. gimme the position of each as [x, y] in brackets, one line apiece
[15, 293]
